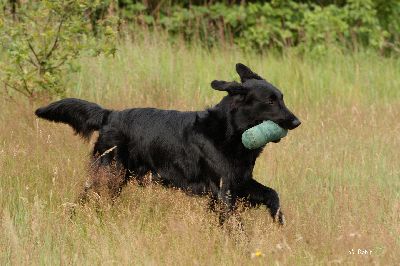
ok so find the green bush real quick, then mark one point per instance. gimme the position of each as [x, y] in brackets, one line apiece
[312, 27]
[40, 41]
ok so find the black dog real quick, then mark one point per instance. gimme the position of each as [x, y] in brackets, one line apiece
[200, 152]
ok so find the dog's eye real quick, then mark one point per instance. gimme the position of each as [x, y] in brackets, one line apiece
[271, 100]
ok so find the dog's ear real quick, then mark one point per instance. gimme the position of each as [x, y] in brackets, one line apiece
[231, 87]
[246, 73]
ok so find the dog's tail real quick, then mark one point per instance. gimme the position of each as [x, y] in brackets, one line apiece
[84, 117]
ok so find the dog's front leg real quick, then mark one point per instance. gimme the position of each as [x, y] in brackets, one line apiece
[227, 199]
[258, 194]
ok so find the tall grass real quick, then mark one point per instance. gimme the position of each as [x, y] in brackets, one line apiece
[338, 174]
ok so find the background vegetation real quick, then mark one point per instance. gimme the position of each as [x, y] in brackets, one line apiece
[337, 174]
[311, 26]
[40, 40]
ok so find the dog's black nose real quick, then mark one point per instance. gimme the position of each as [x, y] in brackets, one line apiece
[295, 123]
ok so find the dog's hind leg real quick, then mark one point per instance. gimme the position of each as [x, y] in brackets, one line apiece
[258, 194]
[111, 155]
[103, 170]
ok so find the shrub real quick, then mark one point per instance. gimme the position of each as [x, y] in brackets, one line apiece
[279, 23]
[42, 39]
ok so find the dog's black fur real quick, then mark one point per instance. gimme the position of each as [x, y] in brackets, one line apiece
[200, 152]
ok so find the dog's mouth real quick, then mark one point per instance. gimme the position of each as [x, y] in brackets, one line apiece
[255, 123]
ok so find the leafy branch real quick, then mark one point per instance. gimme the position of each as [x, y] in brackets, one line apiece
[42, 38]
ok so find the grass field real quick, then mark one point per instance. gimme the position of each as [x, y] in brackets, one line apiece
[338, 174]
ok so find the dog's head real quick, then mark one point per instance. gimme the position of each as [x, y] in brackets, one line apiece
[255, 100]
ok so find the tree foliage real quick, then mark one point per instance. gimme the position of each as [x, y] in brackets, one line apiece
[41, 39]
[308, 25]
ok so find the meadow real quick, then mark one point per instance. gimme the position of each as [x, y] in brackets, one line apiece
[338, 174]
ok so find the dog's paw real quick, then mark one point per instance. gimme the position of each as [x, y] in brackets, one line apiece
[279, 218]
